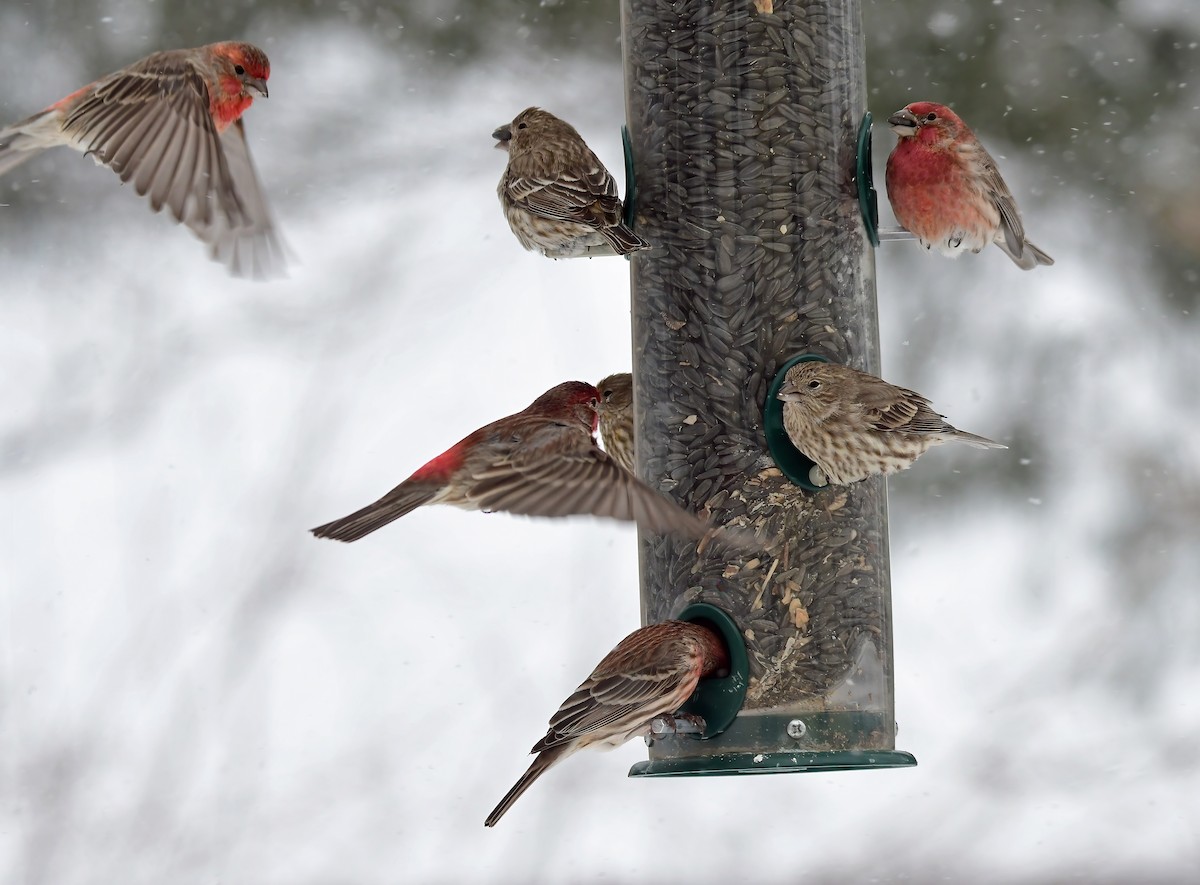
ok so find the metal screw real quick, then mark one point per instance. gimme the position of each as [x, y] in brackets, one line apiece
[796, 729]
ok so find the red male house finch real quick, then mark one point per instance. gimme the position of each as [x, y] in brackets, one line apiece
[542, 461]
[946, 189]
[854, 425]
[651, 673]
[171, 123]
[557, 196]
[616, 417]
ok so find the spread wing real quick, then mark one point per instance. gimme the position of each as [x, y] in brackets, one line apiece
[151, 124]
[549, 476]
[253, 248]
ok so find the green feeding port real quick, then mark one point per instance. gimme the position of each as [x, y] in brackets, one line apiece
[719, 700]
[868, 199]
[795, 465]
[630, 206]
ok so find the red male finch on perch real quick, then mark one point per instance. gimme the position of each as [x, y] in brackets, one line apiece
[171, 124]
[945, 188]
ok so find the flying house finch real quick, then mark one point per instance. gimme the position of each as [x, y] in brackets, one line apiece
[557, 196]
[650, 674]
[854, 425]
[542, 461]
[616, 417]
[172, 125]
[946, 189]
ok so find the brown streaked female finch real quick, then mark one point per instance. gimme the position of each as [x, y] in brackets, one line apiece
[171, 124]
[616, 417]
[854, 425]
[557, 196]
[649, 675]
[542, 461]
[945, 188]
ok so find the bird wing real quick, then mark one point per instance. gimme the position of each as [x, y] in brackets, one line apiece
[899, 409]
[252, 248]
[151, 124]
[1002, 199]
[628, 698]
[553, 474]
[587, 198]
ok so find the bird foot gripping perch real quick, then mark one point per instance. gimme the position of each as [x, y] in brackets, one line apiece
[680, 723]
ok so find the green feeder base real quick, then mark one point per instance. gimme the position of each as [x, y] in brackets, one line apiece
[773, 733]
[774, 763]
[794, 464]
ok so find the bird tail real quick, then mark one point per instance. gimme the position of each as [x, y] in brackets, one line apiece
[623, 240]
[405, 498]
[1039, 256]
[979, 442]
[20, 141]
[537, 768]
[1028, 258]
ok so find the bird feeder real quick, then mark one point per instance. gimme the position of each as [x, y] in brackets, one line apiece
[744, 123]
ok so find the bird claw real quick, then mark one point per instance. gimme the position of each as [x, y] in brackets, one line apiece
[680, 723]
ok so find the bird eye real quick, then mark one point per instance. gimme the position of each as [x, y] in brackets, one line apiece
[593, 402]
[930, 117]
[522, 125]
[814, 385]
[239, 70]
[607, 395]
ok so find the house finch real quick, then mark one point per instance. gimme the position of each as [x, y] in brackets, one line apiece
[616, 417]
[171, 123]
[542, 461]
[650, 674]
[854, 425]
[557, 196]
[946, 189]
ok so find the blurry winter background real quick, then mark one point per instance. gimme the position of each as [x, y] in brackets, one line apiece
[192, 689]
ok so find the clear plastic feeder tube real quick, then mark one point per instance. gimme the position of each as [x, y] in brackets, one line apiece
[744, 129]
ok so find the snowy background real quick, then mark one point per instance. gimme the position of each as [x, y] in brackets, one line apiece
[193, 689]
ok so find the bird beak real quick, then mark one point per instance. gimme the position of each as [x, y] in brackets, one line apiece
[503, 136]
[904, 123]
[787, 392]
[258, 84]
